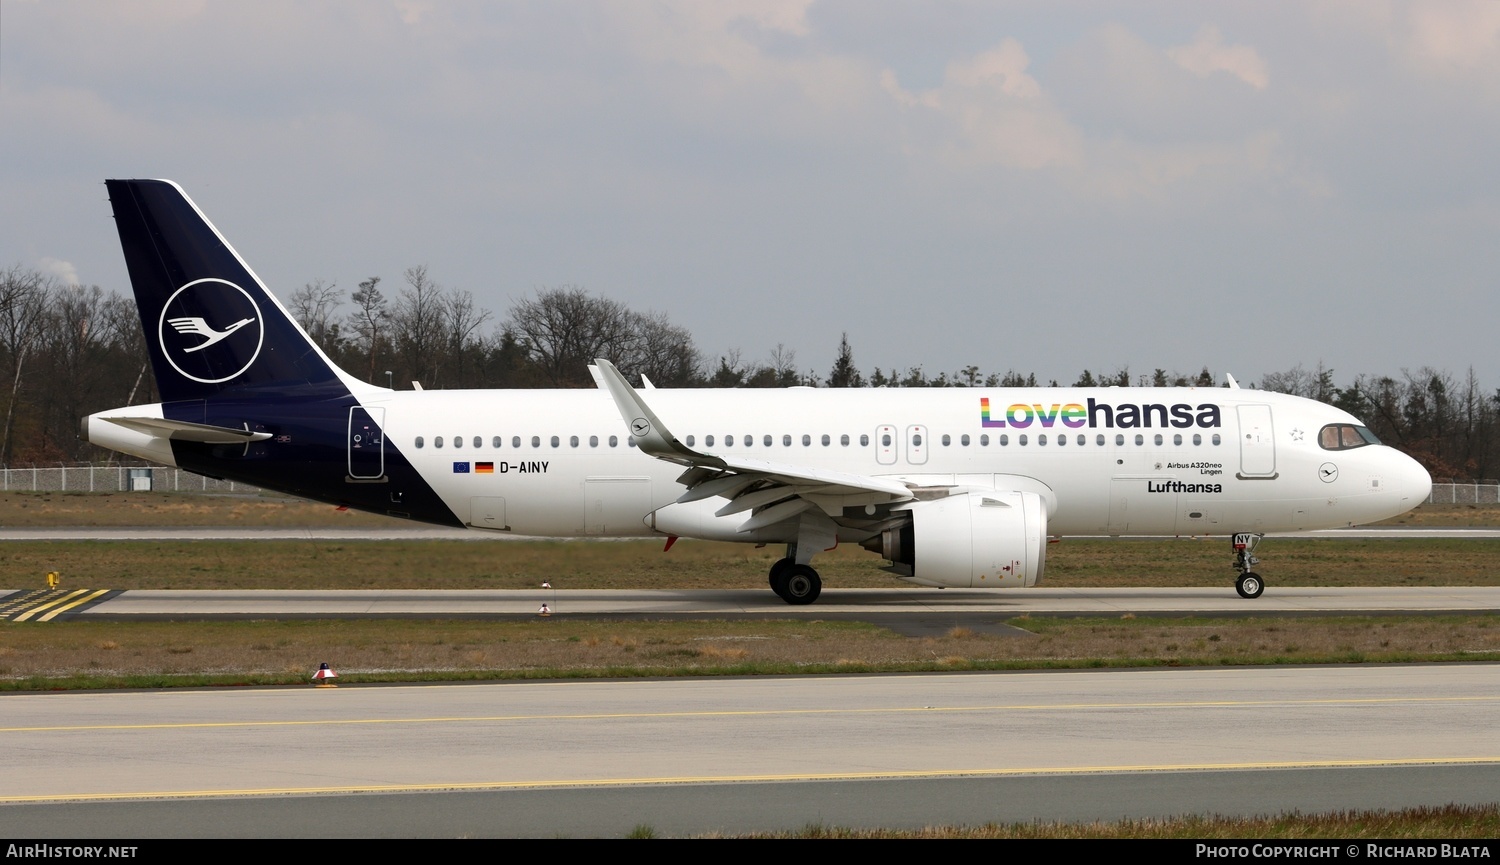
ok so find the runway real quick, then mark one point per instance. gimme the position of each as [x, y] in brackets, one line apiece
[913, 603]
[590, 758]
[408, 532]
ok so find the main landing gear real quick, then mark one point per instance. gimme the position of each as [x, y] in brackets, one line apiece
[1249, 584]
[794, 583]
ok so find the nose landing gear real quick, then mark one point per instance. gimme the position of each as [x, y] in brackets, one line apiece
[1249, 584]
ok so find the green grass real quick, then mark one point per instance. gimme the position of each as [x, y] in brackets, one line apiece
[1073, 563]
[1478, 823]
[84, 654]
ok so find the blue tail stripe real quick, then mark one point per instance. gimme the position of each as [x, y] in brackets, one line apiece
[210, 323]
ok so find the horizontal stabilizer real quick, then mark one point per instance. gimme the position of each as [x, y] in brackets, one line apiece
[183, 431]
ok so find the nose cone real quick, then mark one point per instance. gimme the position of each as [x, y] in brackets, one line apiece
[1409, 481]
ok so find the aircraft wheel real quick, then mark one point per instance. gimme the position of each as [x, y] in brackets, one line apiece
[778, 576]
[802, 585]
[1249, 585]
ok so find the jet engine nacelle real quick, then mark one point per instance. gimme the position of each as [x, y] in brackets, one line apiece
[979, 539]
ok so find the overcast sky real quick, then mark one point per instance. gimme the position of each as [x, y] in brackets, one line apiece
[1039, 186]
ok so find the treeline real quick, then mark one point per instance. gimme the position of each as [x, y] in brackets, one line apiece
[68, 350]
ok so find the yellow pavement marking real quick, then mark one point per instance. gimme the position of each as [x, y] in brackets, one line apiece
[758, 713]
[63, 609]
[52, 603]
[543, 784]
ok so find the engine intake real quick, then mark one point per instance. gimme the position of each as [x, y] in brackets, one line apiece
[986, 539]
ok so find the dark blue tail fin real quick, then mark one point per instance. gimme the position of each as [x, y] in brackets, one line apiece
[210, 323]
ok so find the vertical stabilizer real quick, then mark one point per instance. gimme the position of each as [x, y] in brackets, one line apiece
[210, 323]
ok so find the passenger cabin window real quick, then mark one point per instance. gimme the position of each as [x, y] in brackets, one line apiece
[419, 441]
[806, 440]
[844, 439]
[536, 441]
[437, 441]
[515, 441]
[614, 441]
[690, 441]
[594, 441]
[478, 442]
[495, 442]
[1345, 436]
[864, 441]
[786, 441]
[827, 441]
[708, 441]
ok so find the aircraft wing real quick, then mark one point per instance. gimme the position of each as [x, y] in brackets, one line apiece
[774, 491]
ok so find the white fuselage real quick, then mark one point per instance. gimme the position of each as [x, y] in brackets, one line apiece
[566, 478]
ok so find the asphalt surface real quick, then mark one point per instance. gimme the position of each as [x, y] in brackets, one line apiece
[684, 756]
[418, 533]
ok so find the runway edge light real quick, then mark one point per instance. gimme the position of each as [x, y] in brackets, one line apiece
[325, 673]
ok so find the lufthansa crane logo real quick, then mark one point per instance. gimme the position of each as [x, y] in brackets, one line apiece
[211, 330]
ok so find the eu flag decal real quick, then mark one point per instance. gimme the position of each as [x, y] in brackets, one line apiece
[461, 468]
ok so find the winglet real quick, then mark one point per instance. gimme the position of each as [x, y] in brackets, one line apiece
[1230, 383]
[651, 435]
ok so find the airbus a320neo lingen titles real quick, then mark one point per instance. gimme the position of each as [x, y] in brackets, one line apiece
[954, 487]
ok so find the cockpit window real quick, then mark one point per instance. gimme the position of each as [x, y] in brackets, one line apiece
[1345, 436]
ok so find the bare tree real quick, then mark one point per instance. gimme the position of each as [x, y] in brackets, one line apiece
[463, 320]
[418, 325]
[314, 305]
[23, 302]
[564, 329]
[369, 320]
[663, 351]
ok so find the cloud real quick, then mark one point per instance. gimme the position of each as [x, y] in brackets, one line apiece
[1455, 35]
[990, 109]
[1208, 54]
[62, 271]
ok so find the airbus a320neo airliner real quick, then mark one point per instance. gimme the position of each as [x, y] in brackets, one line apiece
[952, 486]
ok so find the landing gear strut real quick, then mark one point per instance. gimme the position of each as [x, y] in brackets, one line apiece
[1249, 584]
[794, 583]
